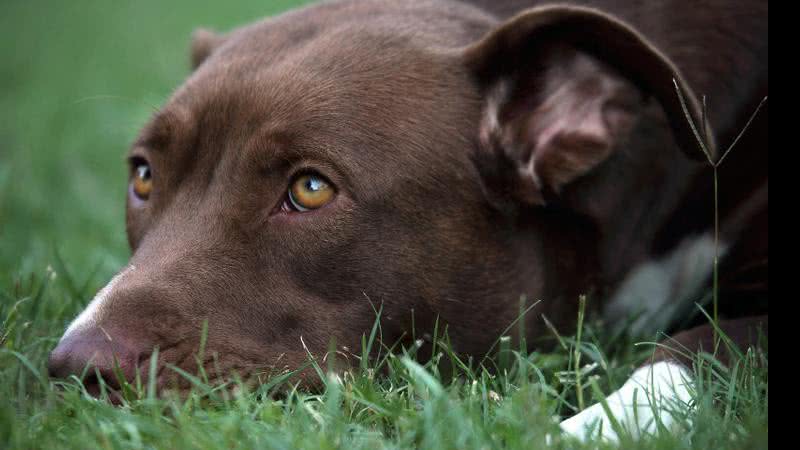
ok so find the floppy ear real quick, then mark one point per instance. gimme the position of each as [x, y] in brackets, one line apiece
[204, 42]
[563, 87]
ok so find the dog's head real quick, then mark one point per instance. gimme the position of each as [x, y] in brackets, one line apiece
[411, 158]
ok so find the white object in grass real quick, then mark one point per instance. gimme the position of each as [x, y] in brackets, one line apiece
[656, 397]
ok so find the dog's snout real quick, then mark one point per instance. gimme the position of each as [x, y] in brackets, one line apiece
[92, 352]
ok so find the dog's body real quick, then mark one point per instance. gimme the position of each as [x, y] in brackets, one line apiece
[474, 158]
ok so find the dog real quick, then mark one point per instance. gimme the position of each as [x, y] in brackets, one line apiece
[439, 160]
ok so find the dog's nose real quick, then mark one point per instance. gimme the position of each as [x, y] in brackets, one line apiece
[90, 353]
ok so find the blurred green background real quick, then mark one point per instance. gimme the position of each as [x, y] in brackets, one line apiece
[77, 80]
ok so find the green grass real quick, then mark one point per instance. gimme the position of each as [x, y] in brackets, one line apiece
[77, 80]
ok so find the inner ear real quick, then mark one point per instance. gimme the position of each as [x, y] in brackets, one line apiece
[564, 87]
[563, 116]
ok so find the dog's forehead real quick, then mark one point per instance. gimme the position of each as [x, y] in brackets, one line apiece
[442, 23]
[342, 46]
[346, 88]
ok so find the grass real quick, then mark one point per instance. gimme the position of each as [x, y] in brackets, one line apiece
[77, 80]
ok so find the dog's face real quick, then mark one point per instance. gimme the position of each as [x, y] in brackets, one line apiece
[287, 194]
[349, 158]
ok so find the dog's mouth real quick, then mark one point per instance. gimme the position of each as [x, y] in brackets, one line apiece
[177, 372]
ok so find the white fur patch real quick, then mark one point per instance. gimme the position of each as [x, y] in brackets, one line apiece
[660, 291]
[91, 314]
[644, 404]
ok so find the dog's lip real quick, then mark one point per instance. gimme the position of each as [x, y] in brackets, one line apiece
[113, 395]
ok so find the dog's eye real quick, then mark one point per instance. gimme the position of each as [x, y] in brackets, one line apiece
[142, 180]
[309, 191]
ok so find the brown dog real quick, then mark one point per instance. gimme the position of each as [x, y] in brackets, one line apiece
[435, 159]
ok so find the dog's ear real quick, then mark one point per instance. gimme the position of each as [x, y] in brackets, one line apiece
[563, 87]
[204, 41]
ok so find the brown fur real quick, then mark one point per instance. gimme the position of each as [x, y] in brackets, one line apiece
[433, 218]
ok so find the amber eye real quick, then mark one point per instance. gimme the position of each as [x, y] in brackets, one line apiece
[142, 180]
[309, 192]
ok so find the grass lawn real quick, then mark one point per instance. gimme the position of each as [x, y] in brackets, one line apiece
[77, 79]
